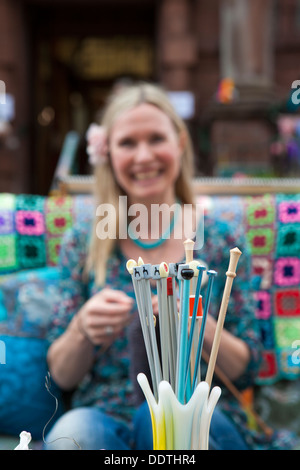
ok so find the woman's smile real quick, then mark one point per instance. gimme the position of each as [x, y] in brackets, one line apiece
[146, 175]
[145, 153]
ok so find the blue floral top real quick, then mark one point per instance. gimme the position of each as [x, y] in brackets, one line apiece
[108, 385]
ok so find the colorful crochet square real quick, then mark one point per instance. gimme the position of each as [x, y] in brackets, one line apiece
[287, 272]
[28, 202]
[263, 305]
[83, 208]
[269, 368]
[53, 249]
[287, 330]
[58, 223]
[59, 203]
[288, 240]
[261, 211]
[261, 240]
[229, 209]
[289, 211]
[30, 222]
[8, 258]
[288, 361]
[263, 267]
[287, 302]
[266, 334]
[7, 201]
[31, 251]
[6, 221]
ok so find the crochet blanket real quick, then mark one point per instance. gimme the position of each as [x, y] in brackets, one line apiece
[32, 227]
[272, 227]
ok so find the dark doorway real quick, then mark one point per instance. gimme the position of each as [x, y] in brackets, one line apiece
[79, 51]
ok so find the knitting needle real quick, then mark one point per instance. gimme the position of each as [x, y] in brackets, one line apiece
[185, 274]
[211, 274]
[173, 270]
[166, 345]
[180, 321]
[235, 254]
[135, 272]
[189, 255]
[192, 264]
[199, 273]
[157, 274]
[189, 250]
[147, 295]
[172, 333]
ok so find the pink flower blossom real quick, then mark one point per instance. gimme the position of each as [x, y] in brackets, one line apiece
[97, 144]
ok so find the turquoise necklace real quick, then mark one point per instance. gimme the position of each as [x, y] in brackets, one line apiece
[162, 239]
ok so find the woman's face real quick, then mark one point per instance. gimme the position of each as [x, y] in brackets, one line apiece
[145, 153]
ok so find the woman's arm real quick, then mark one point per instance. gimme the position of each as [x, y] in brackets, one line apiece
[71, 356]
[234, 354]
[98, 323]
[80, 324]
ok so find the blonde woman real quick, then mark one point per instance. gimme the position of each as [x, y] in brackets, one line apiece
[143, 156]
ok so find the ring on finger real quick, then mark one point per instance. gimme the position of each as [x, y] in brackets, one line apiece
[109, 330]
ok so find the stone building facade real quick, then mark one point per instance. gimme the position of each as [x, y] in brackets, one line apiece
[47, 62]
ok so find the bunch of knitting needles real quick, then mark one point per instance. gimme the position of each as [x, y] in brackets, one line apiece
[181, 328]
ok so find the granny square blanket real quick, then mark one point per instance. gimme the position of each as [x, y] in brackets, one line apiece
[272, 227]
[32, 227]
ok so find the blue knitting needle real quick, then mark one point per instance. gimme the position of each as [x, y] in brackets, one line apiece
[186, 275]
[211, 275]
[201, 269]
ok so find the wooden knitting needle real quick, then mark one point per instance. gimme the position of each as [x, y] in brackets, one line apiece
[189, 250]
[235, 254]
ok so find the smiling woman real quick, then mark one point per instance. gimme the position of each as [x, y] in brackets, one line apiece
[146, 154]
[150, 160]
[96, 339]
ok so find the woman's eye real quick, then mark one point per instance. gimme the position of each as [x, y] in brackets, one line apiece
[157, 138]
[126, 143]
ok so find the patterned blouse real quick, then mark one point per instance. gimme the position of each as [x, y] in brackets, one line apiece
[110, 384]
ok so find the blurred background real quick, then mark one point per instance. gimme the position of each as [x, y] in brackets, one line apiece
[231, 67]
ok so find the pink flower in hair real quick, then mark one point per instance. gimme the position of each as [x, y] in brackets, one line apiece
[96, 144]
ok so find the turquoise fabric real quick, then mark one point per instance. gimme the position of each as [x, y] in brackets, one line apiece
[28, 300]
[25, 403]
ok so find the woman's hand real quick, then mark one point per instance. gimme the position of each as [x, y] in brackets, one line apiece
[103, 317]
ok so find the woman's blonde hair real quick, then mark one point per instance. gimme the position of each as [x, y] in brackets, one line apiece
[107, 189]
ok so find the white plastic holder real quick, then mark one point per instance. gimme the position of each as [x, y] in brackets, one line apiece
[177, 426]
